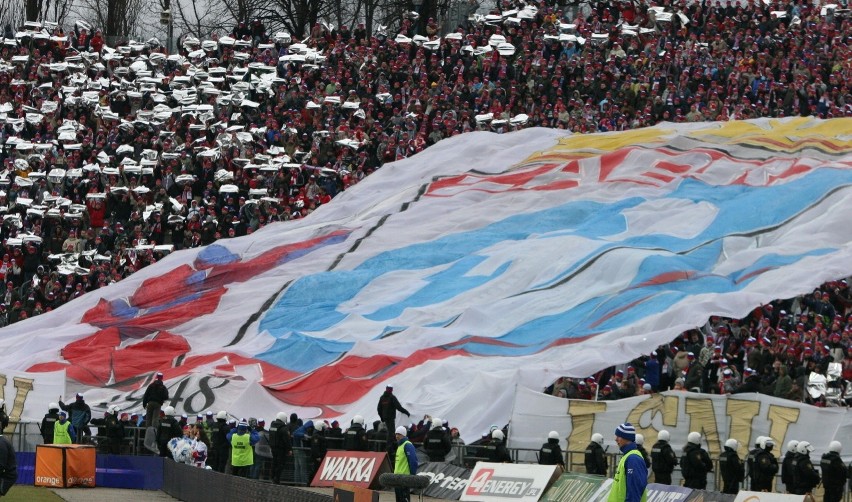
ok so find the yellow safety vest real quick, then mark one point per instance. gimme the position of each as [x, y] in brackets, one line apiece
[401, 461]
[60, 433]
[618, 493]
[242, 454]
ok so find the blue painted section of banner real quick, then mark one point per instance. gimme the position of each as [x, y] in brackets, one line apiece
[675, 269]
[111, 471]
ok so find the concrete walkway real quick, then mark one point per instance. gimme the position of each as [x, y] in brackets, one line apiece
[111, 495]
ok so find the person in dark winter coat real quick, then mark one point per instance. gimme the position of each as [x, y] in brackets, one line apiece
[355, 437]
[731, 468]
[806, 477]
[833, 473]
[595, 459]
[437, 442]
[663, 459]
[50, 418]
[387, 408]
[695, 463]
[788, 467]
[550, 452]
[765, 467]
[281, 444]
[155, 396]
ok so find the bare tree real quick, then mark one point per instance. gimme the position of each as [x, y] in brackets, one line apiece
[201, 21]
[12, 14]
[48, 10]
[296, 16]
[116, 18]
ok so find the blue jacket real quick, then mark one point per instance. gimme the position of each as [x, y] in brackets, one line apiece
[254, 437]
[636, 473]
[302, 433]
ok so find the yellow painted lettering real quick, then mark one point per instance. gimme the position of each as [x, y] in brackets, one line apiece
[582, 414]
[702, 418]
[742, 415]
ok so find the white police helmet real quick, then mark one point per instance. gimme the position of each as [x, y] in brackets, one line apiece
[169, 411]
[694, 437]
[640, 439]
[597, 438]
[804, 448]
[222, 415]
[663, 435]
[732, 444]
[53, 406]
[358, 419]
[552, 435]
[791, 445]
[835, 446]
[281, 416]
[498, 434]
[436, 423]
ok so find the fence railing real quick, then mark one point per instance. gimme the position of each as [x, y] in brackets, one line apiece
[298, 469]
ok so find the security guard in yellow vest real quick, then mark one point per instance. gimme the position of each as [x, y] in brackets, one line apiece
[63, 431]
[405, 461]
[242, 448]
[631, 475]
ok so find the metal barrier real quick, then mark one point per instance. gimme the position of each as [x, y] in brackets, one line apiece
[298, 468]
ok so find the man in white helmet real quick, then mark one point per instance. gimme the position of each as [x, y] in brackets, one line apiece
[496, 450]
[731, 468]
[806, 476]
[640, 445]
[663, 459]
[765, 467]
[550, 452]
[50, 418]
[595, 459]
[695, 463]
[281, 444]
[437, 441]
[787, 466]
[355, 437]
[833, 473]
[167, 430]
[749, 462]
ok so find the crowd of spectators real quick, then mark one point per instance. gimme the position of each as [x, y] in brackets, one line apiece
[115, 156]
[775, 350]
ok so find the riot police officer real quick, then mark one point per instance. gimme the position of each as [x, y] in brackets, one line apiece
[355, 437]
[765, 467]
[749, 463]
[281, 444]
[167, 429]
[640, 445]
[788, 466]
[695, 463]
[437, 443]
[731, 468]
[833, 473]
[550, 452]
[595, 459]
[47, 423]
[663, 459]
[806, 477]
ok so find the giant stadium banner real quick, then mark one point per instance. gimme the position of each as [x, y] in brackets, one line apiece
[743, 417]
[486, 261]
[26, 395]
